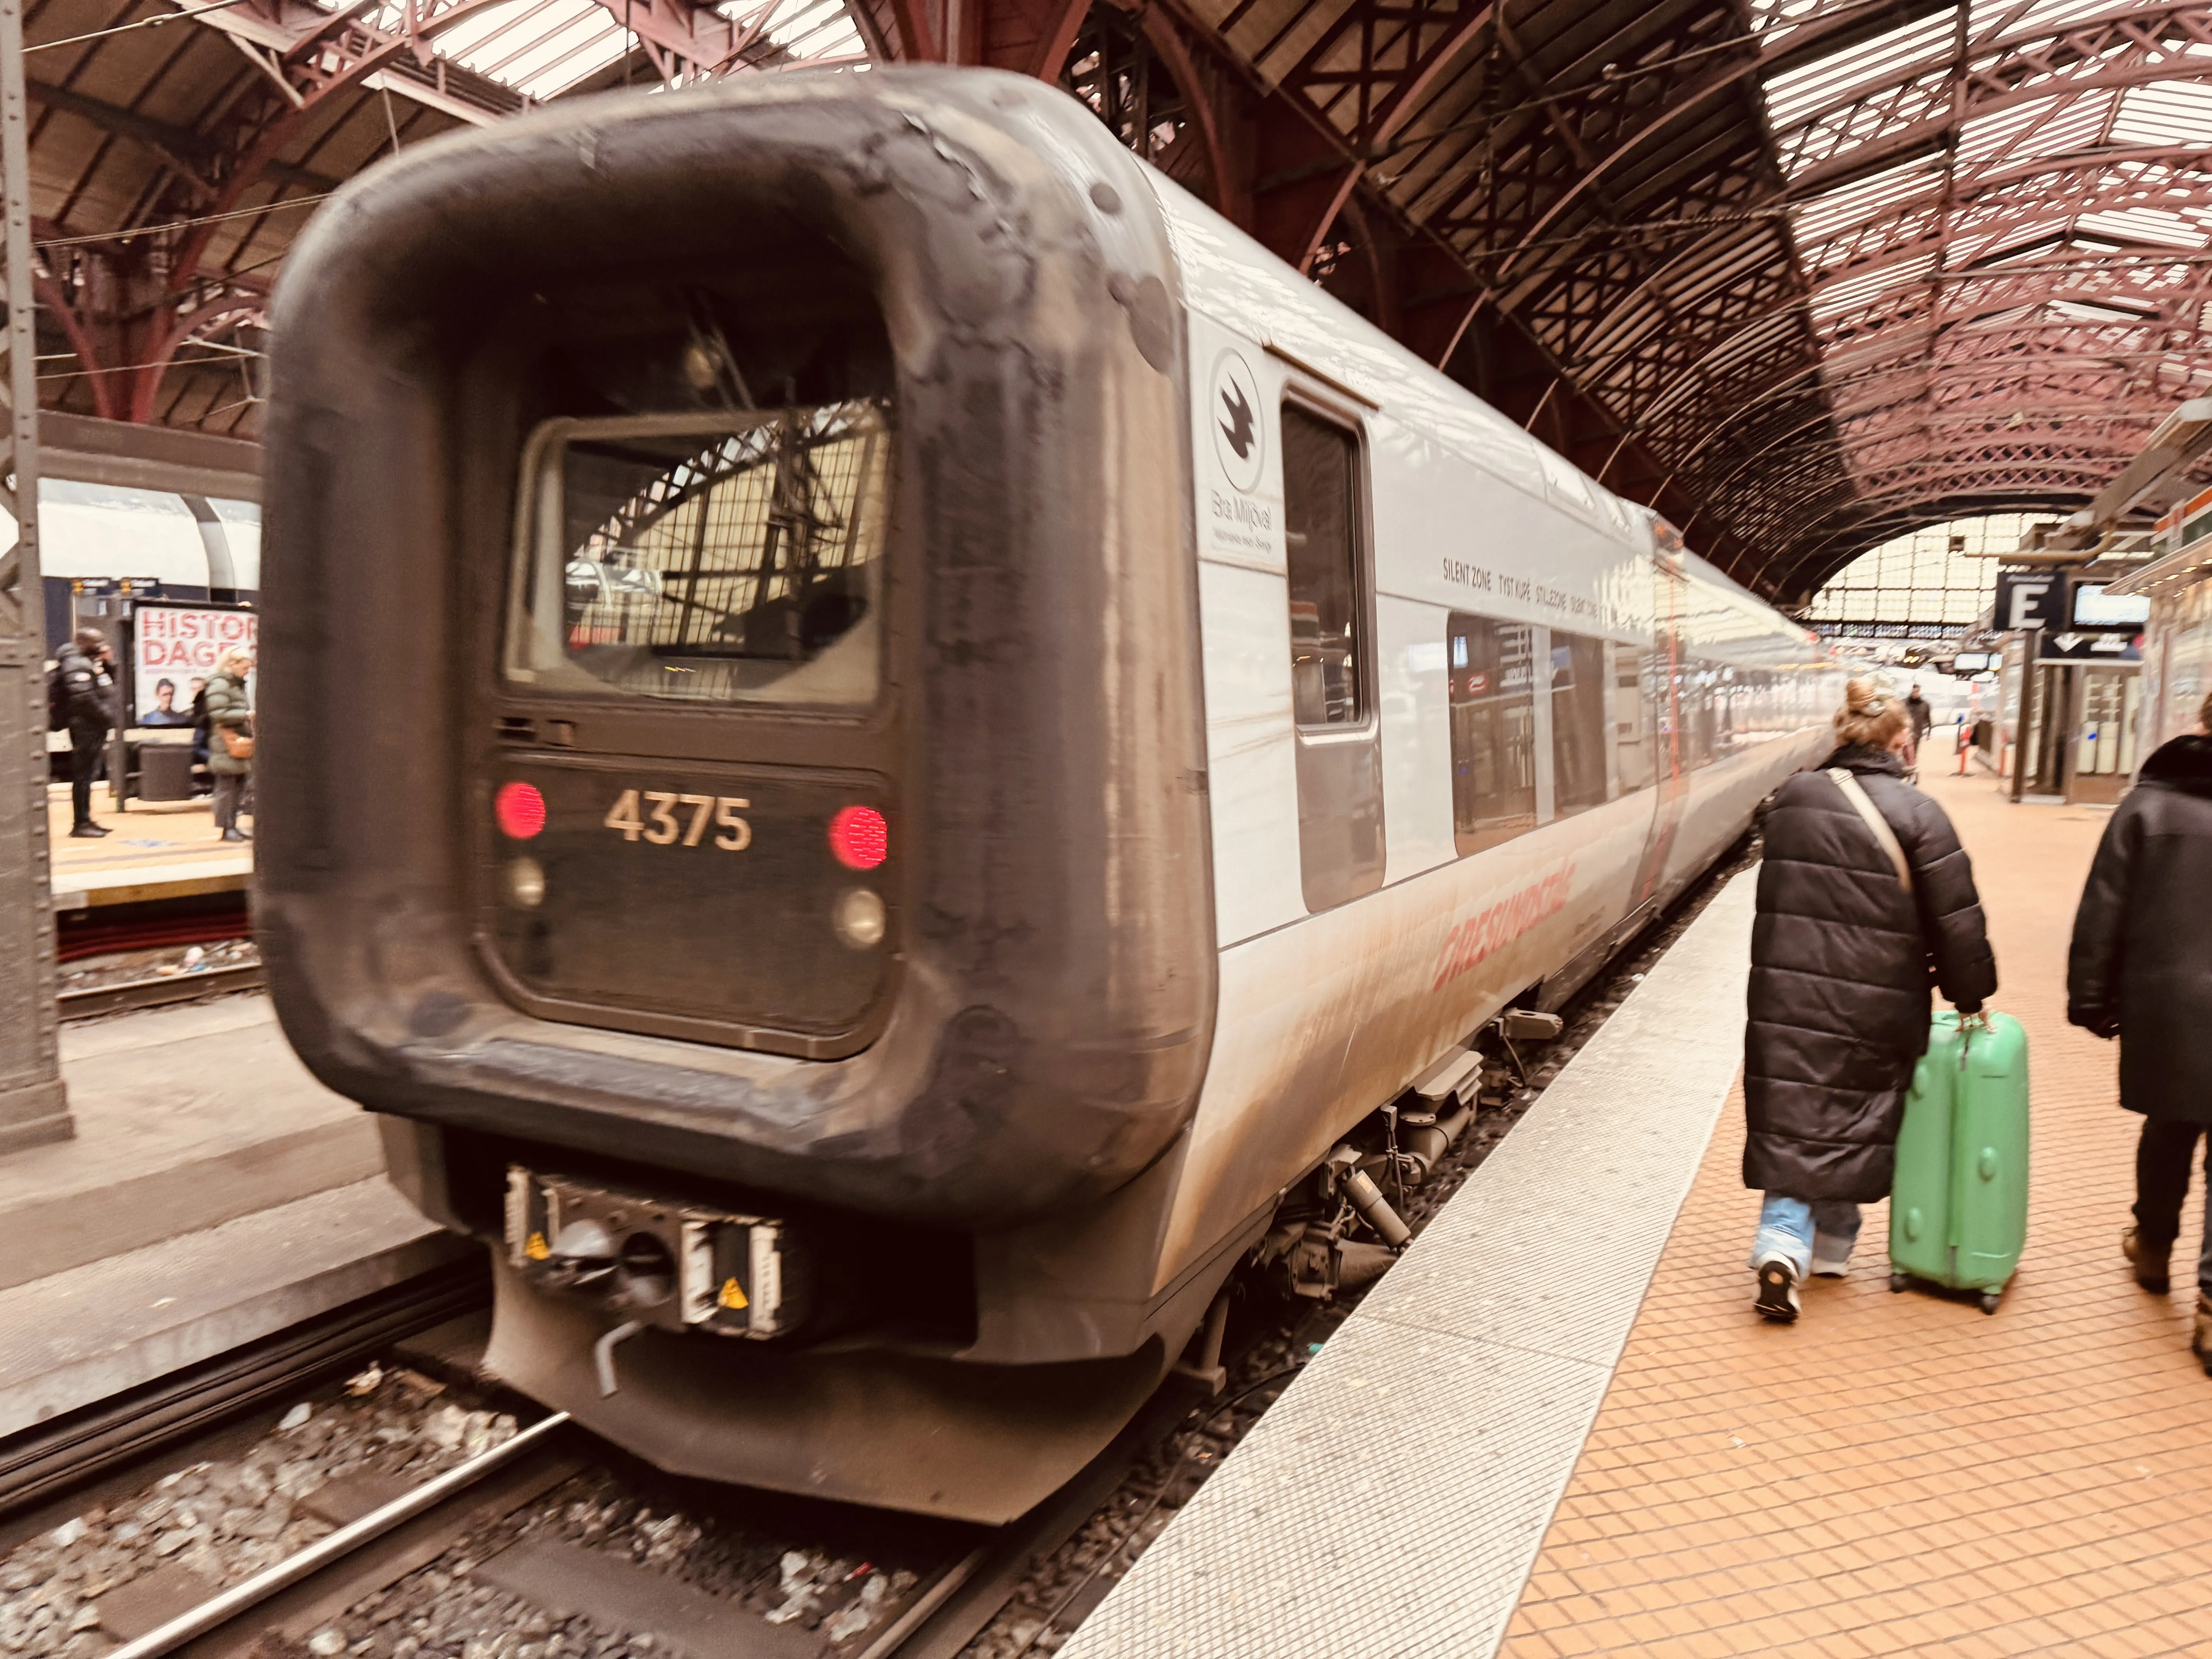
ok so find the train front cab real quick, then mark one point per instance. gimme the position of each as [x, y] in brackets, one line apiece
[733, 765]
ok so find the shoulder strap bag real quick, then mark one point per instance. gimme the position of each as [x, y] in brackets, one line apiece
[1861, 803]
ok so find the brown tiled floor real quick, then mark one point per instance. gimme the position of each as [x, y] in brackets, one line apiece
[1902, 1474]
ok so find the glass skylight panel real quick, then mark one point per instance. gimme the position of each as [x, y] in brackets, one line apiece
[1854, 293]
[558, 46]
[2166, 112]
[2146, 224]
[1916, 577]
[1997, 139]
[2044, 14]
[1820, 216]
[815, 30]
[1793, 96]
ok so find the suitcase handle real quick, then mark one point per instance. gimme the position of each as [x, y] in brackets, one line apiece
[1968, 1024]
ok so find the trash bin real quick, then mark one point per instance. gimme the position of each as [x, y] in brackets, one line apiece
[164, 771]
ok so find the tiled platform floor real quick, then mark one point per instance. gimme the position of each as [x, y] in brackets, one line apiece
[1901, 1474]
[156, 850]
[151, 832]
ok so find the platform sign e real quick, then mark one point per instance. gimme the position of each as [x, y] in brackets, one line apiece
[2029, 598]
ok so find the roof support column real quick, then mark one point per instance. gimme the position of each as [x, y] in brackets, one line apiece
[33, 1100]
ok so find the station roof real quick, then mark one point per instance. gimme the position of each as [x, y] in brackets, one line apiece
[1823, 269]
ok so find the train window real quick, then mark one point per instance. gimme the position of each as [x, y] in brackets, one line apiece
[1700, 713]
[1493, 729]
[706, 558]
[1578, 723]
[1320, 504]
[1631, 721]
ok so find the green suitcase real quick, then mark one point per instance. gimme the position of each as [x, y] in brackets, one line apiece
[1958, 1206]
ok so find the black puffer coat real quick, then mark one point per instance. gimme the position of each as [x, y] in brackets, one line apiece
[2142, 960]
[1842, 961]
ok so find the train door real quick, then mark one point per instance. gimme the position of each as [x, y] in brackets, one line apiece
[1338, 737]
[1672, 762]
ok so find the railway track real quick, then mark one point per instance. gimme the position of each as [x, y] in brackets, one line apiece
[158, 991]
[488, 1518]
[287, 1603]
[39, 1465]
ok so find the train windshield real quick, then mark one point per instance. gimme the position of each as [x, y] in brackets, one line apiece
[732, 557]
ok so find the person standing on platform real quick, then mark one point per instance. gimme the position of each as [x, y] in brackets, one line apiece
[86, 687]
[230, 738]
[1924, 722]
[2141, 969]
[1842, 955]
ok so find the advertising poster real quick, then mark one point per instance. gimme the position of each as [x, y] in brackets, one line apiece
[175, 648]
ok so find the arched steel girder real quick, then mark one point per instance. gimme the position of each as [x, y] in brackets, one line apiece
[1720, 78]
[2122, 43]
[1878, 356]
[2059, 282]
[1824, 550]
[1997, 187]
[1799, 498]
[2000, 191]
[1794, 444]
[1776, 484]
[2123, 47]
[2038, 286]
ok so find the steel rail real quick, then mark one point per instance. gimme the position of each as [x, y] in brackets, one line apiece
[242, 1597]
[41, 1463]
[154, 993]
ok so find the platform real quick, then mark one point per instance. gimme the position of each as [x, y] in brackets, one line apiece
[214, 1193]
[1487, 1456]
[155, 850]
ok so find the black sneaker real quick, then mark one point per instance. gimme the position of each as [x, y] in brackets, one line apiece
[236, 835]
[1778, 1290]
[88, 831]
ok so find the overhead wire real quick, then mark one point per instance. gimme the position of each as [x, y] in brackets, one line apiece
[125, 28]
[183, 224]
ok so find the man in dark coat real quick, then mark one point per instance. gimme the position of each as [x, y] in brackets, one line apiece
[2141, 969]
[1842, 959]
[86, 690]
[1924, 721]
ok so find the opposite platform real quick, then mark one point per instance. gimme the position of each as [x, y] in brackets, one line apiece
[1392, 1501]
[158, 850]
[213, 1194]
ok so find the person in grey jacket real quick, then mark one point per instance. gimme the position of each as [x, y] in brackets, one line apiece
[228, 710]
[2141, 969]
[1843, 958]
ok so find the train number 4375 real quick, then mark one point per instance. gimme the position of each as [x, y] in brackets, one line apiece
[662, 819]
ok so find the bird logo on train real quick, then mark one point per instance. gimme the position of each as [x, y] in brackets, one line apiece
[1239, 433]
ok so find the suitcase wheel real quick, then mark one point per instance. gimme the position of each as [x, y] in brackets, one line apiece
[1897, 1282]
[1990, 1301]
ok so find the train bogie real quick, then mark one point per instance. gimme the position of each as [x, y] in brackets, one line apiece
[932, 730]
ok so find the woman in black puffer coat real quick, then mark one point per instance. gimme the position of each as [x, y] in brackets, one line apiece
[1842, 959]
[2141, 969]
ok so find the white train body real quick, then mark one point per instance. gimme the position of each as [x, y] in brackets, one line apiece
[1266, 714]
[1324, 1015]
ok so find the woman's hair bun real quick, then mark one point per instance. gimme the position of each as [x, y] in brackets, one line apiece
[1871, 714]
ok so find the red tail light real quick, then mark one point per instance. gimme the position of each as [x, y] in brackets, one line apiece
[859, 837]
[520, 808]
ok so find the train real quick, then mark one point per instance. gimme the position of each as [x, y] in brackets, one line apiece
[880, 738]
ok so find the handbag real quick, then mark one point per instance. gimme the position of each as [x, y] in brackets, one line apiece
[238, 744]
[1880, 825]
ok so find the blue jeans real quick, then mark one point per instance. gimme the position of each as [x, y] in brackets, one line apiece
[1789, 1227]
